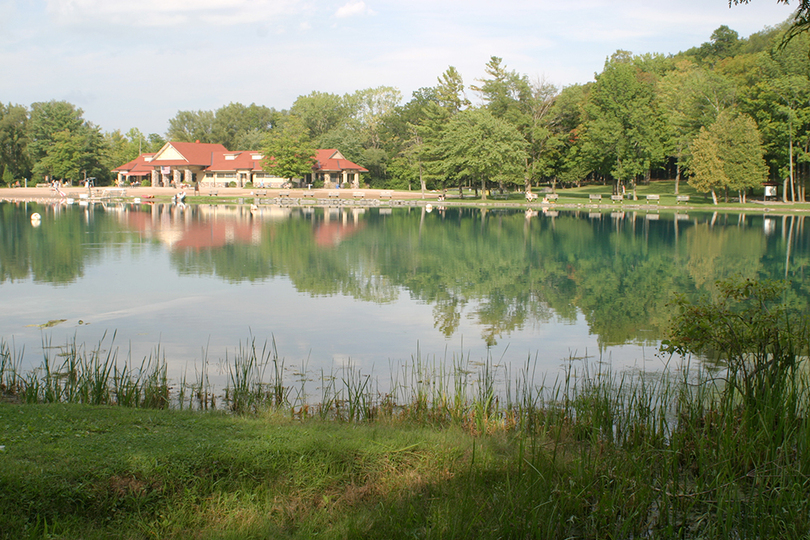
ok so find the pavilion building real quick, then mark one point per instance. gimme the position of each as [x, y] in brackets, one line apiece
[213, 165]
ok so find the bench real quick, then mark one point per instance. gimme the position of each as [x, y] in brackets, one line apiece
[43, 185]
[261, 193]
[656, 198]
[309, 193]
[284, 193]
[213, 192]
[359, 194]
[113, 192]
[531, 196]
[334, 194]
[552, 197]
[386, 194]
[595, 197]
[617, 198]
[681, 199]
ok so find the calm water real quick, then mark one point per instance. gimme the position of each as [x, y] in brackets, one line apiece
[371, 287]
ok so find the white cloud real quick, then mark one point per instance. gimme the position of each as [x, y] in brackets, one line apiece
[353, 8]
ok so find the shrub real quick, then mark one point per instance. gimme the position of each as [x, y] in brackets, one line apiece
[231, 184]
[749, 330]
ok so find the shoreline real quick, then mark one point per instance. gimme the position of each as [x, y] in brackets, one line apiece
[369, 197]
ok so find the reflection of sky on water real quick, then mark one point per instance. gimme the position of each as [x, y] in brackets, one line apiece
[137, 294]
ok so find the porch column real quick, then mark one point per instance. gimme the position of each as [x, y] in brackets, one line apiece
[343, 178]
[327, 180]
[187, 176]
[154, 178]
[176, 177]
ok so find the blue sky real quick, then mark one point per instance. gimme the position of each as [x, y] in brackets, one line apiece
[135, 63]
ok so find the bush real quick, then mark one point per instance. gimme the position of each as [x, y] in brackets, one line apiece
[8, 177]
[146, 183]
[749, 330]
[231, 184]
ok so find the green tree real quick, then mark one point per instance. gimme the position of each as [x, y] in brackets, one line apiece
[778, 98]
[234, 120]
[63, 145]
[691, 98]
[479, 146]
[190, 126]
[288, 152]
[14, 162]
[526, 105]
[450, 91]
[321, 113]
[728, 155]
[567, 162]
[46, 119]
[624, 129]
[74, 155]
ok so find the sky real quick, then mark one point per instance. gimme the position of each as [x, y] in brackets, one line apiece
[136, 63]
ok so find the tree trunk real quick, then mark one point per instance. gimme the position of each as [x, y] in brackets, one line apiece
[527, 179]
[677, 176]
[483, 188]
[792, 179]
[714, 197]
[421, 180]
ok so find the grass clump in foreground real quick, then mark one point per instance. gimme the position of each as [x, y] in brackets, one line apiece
[701, 453]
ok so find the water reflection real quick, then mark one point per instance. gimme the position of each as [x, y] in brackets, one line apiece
[494, 276]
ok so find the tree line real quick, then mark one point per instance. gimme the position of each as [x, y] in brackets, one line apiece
[725, 116]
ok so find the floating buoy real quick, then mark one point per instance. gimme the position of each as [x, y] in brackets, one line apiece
[429, 207]
[36, 219]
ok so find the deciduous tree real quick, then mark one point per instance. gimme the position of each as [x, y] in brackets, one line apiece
[728, 155]
[288, 152]
[478, 145]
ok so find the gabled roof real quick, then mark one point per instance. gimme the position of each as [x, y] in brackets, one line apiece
[140, 166]
[184, 153]
[215, 157]
[232, 161]
[332, 160]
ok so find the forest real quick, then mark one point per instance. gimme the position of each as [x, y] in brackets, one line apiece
[725, 116]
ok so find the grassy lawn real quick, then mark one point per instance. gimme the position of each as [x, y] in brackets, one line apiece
[72, 471]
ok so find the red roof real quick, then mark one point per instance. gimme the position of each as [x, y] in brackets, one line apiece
[200, 154]
[332, 160]
[215, 157]
[231, 161]
[137, 167]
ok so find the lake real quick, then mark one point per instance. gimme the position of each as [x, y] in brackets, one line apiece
[372, 287]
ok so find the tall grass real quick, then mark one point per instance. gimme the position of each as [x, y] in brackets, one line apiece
[70, 373]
